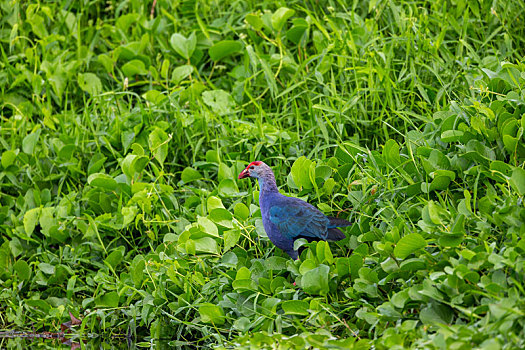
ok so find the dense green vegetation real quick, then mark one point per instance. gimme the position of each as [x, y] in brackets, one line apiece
[124, 126]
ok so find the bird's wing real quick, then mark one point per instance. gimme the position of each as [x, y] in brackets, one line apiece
[297, 218]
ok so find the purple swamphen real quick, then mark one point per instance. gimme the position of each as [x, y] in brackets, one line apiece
[286, 219]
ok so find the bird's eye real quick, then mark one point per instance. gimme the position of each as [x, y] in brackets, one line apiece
[252, 167]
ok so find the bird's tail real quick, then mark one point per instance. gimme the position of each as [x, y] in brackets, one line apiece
[336, 222]
[335, 234]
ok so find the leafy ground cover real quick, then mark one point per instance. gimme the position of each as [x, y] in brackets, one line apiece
[124, 125]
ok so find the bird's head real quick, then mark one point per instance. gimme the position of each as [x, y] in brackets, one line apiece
[254, 169]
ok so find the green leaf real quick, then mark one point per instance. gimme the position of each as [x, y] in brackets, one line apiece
[90, 83]
[115, 257]
[301, 172]
[48, 223]
[133, 164]
[219, 101]
[298, 243]
[96, 163]
[137, 149]
[242, 285]
[182, 45]
[67, 152]
[222, 217]
[451, 135]
[213, 203]
[106, 62]
[110, 299]
[254, 20]
[39, 304]
[165, 68]
[181, 73]
[206, 245]
[451, 240]
[435, 212]
[435, 314]
[8, 158]
[296, 33]
[268, 76]
[189, 174]
[29, 142]
[228, 188]
[22, 269]
[47, 268]
[517, 181]
[448, 173]
[207, 227]
[243, 273]
[30, 220]
[231, 238]
[223, 49]
[409, 244]
[474, 7]
[276, 263]
[315, 281]
[439, 183]
[125, 21]
[127, 167]
[391, 153]
[510, 143]
[241, 211]
[295, 307]
[479, 151]
[242, 324]
[154, 96]
[307, 265]
[158, 144]
[323, 252]
[323, 172]
[212, 314]
[459, 224]
[137, 270]
[388, 312]
[280, 17]
[134, 67]
[400, 298]
[102, 181]
[343, 267]
[5, 257]
[369, 317]
[225, 172]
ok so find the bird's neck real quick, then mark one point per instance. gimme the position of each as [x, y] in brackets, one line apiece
[267, 184]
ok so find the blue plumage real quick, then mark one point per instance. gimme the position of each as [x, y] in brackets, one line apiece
[286, 219]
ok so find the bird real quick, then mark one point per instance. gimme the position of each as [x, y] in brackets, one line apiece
[286, 219]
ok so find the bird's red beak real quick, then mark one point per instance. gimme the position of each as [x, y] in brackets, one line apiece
[244, 174]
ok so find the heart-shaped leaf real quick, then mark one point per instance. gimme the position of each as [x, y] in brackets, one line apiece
[182, 45]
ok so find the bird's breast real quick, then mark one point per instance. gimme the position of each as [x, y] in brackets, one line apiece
[272, 230]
